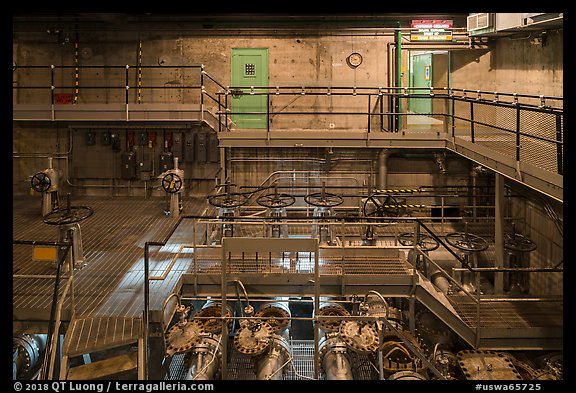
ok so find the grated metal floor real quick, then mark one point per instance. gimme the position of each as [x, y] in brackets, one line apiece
[110, 283]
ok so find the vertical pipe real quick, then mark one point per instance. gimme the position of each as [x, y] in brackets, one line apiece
[369, 105]
[202, 90]
[127, 84]
[52, 84]
[382, 165]
[499, 233]
[398, 75]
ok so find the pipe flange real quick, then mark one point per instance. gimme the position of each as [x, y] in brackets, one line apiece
[331, 309]
[253, 338]
[360, 337]
[331, 343]
[276, 315]
[183, 336]
[397, 355]
[210, 316]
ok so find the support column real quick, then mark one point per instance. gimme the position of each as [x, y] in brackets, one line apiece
[499, 233]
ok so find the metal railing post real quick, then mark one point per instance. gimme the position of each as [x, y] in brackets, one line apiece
[472, 121]
[517, 133]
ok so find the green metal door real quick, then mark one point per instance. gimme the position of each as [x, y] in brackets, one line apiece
[249, 68]
[420, 76]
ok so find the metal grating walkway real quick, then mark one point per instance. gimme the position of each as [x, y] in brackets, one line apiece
[509, 314]
[111, 281]
[89, 335]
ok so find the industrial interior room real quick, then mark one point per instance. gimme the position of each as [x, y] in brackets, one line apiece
[210, 197]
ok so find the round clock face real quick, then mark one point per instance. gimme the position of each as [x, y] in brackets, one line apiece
[355, 59]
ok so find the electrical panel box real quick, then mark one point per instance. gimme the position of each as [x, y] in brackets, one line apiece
[166, 161]
[213, 152]
[201, 147]
[90, 138]
[106, 138]
[177, 144]
[143, 138]
[128, 169]
[188, 147]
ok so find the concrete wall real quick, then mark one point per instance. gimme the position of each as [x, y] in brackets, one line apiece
[533, 220]
[513, 65]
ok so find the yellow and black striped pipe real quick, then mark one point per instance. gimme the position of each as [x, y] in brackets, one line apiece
[140, 72]
[76, 73]
[417, 206]
[397, 191]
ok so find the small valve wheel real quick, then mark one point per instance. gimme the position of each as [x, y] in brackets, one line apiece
[171, 183]
[41, 182]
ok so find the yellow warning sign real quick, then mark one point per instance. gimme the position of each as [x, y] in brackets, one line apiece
[45, 254]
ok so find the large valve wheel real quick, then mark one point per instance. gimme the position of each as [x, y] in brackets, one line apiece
[41, 182]
[228, 200]
[519, 243]
[425, 242]
[374, 206]
[516, 242]
[467, 241]
[171, 183]
[323, 198]
[275, 200]
[68, 215]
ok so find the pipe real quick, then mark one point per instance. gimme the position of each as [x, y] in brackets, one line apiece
[336, 366]
[27, 350]
[382, 165]
[269, 365]
[335, 361]
[205, 360]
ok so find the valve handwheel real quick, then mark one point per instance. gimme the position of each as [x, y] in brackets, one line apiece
[227, 200]
[68, 215]
[275, 200]
[323, 198]
[388, 208]
[516, 242]
[171, 183]
[41, 182]
[425, 242]
[466, 241]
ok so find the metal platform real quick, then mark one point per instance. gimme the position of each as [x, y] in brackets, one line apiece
[110, 283]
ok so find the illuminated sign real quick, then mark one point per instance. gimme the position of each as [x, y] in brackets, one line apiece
[431, 30]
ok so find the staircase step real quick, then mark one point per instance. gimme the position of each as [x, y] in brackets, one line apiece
[89, 335]
[106, 368]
